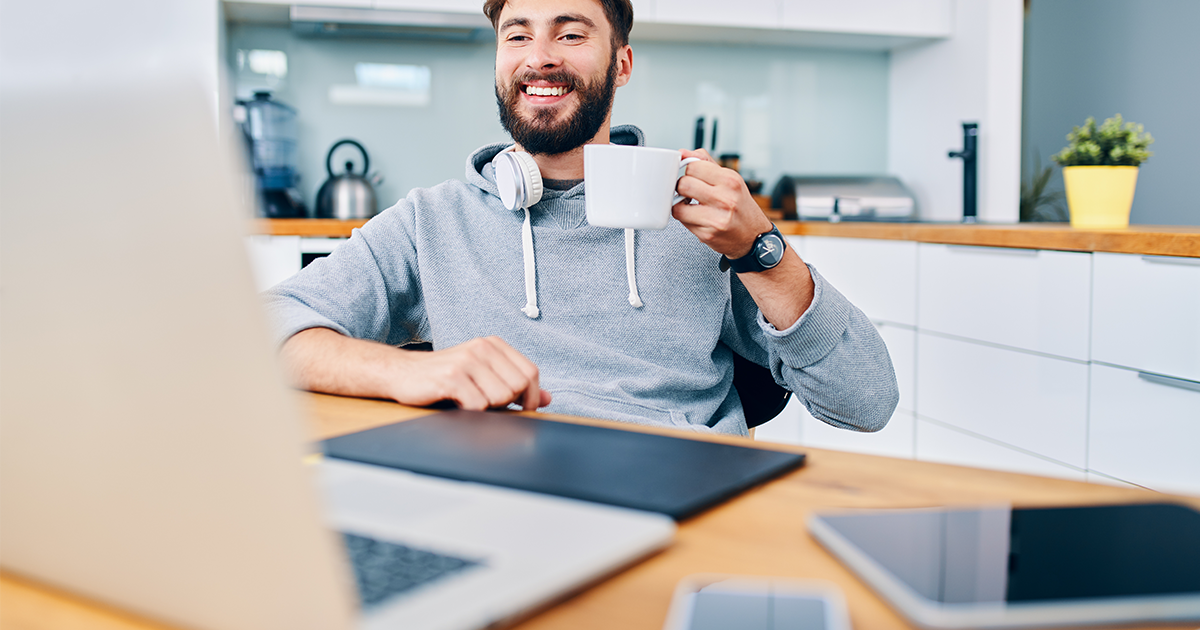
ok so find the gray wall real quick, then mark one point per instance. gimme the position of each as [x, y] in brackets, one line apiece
[1139, 58]
[786, 110]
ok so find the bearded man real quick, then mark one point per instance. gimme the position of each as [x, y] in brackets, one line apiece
[451, 265]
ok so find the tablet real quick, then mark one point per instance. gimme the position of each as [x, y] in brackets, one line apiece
[1006, 567]
[678, 477]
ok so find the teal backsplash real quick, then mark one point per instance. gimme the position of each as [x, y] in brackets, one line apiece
[785, 110]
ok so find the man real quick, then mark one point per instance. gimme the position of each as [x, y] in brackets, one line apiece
[448, 265]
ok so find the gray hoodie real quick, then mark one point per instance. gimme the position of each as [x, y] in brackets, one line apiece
[446, 265]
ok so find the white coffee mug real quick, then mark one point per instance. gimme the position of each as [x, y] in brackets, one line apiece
[631, 187]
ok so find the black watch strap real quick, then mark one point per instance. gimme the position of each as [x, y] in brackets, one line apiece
[765, 254]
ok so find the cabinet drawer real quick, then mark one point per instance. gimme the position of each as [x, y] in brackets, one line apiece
[1032, 402]
[947, 445]
[877, 276]
[1145, 431]
[1030, 299]
[1147, 313]
[894, 440]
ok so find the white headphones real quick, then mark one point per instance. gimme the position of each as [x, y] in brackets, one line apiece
[518, 178]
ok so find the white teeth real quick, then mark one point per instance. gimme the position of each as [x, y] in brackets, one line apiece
[545, 91]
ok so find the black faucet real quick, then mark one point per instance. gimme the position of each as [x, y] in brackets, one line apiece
[969, 155]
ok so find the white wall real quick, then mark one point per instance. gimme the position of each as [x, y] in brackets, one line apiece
[973, 76]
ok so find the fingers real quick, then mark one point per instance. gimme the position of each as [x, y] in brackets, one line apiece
[483, 373]
[725, 217]
[698, 153]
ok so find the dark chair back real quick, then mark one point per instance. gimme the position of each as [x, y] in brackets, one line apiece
[762, 398]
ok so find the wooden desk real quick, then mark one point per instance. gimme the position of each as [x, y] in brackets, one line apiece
[761, 532]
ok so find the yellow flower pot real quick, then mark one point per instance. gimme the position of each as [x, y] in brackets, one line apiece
[1100, 197]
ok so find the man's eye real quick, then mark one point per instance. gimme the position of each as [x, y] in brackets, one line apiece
[518, 38]
[573, 37]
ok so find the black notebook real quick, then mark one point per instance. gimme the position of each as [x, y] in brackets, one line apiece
[673, 476]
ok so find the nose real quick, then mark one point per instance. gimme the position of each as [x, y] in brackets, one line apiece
[543, 55]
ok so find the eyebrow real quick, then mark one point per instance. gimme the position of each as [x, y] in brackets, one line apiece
[558, 21]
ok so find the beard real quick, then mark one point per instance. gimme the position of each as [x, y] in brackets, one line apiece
[541, 133]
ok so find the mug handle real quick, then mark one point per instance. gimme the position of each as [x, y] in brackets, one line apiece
[682, 164]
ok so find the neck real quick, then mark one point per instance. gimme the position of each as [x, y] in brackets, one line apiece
[568, 165]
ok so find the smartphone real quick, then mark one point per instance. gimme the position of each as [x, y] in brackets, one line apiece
[729, 602]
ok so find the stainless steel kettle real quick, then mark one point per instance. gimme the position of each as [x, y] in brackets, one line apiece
[349, 195]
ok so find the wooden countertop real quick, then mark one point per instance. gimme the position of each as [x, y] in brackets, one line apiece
[1136, 239]
[1153, 240]
[761, 532]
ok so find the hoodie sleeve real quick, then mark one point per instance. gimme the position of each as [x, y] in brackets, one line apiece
[832, 357]
[366, 289]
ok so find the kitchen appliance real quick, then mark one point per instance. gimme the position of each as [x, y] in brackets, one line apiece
[270, 131]
[854, 198]
[349, 195]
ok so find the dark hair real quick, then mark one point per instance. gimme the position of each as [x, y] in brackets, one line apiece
[618, 12]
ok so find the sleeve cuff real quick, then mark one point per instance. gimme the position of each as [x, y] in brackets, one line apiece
[818, 330]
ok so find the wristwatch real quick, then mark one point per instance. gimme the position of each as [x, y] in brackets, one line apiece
[765, 254]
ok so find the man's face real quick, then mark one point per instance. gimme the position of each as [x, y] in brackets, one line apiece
[556, 71]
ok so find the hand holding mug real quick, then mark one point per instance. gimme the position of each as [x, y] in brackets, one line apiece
[725, 216]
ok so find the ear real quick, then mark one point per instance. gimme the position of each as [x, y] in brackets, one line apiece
[624, 64]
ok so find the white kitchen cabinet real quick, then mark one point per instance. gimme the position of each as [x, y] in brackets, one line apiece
[1031, 402]
[923, 18]
[937, 442]
[796, 426]
[911, 18]
[1143, 431]
[444, 6]
[1022, 298]
[1147, 313]
[894, 440]
[877, 276]
[274, 259]
[747, 13]
[354, 4]
[901, 343]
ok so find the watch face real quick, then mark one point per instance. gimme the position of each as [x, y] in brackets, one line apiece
[769, 251]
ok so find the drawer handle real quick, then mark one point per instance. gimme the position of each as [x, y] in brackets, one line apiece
[1172, 260]
[980, 249]
[1170, 381]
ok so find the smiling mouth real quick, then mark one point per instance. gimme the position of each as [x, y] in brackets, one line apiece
[558, 90]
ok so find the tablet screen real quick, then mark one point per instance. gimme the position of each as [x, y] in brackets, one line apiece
[1029, 555]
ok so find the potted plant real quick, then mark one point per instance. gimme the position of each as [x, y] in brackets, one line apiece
[1100, 167]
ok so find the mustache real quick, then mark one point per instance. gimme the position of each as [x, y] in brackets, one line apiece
[561, 77]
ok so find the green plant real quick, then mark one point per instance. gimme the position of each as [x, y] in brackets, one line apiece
[1036, 203]
[1114, 143]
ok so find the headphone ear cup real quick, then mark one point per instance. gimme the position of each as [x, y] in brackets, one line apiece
[531, 177]
[509, 182]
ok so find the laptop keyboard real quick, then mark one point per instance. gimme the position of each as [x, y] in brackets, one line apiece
[384, 569]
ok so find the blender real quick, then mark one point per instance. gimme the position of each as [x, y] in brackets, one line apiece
[270, 130]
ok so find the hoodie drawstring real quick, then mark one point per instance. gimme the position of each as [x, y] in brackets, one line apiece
[531, 308]
[630, 270]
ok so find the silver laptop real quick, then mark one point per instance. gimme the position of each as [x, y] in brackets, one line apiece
[150, 455]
